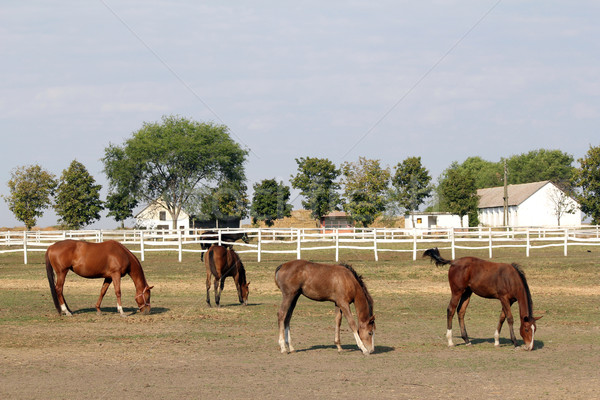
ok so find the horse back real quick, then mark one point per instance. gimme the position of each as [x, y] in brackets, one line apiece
[90, 260]
[320, 282]
[485, 278]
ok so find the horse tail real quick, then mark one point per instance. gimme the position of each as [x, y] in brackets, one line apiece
[435, 256]
[50, 274]
[211, 262]
[276, 272]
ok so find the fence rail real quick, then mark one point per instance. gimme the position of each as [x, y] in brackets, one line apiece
[299, 241]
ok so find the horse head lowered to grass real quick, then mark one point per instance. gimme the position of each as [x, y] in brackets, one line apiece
[109, 260]
[324, 282]
[491, 280]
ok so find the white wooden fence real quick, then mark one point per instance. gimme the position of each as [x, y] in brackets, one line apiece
[298, 242]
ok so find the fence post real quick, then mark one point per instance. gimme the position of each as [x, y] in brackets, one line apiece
[337, 244]
[298, 246]
[528, 245]
[142, 244]
[566, 240]
[259, 244]
[375, 244]
[180, 243]
[25, 247]
[414, 244]
[452, 241]
[490, 235]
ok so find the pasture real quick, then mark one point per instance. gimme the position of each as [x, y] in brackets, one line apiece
[184, 349]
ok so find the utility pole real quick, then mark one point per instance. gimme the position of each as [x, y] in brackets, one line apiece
[505, 194]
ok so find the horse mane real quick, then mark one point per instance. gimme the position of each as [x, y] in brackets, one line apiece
[521, 273]
[360, 281]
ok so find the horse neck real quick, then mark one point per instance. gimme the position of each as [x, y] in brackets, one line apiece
[362, 304]
[524, 299]
[137, 274]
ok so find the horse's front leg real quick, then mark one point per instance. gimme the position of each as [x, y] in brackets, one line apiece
[509, 318]
[105, 285]
[499, 328]
[117, 283]
[354, 327]
[60, 283]
[217, 293]
[338, 324]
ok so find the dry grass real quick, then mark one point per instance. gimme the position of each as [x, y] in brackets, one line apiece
[185, 349]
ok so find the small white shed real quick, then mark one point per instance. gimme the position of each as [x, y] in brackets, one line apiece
[540, 204]
[156, 216]
[431, 220]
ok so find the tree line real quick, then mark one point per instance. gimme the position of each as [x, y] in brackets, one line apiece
[198, 167]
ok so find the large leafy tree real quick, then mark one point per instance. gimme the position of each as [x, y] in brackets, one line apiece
[270, 202]
[227, 200]
[77, 200]
[120, 205]
[316, 179]
[458, 193]
[365, 188]
[31, 189]
[541, 165]
[486, 173]
[411, 184]
[169, 160]
[587, 180]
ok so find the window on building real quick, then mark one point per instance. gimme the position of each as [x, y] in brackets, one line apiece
[162, 215]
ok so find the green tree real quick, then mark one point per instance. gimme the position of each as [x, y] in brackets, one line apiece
[365, 188]
[120, 205]
[77, 200]
[458, 193]
[316, 179]
[410, 184]
[31, 190]
[486, 173]
[228, 200]
[587, 180]
[169, 160]
[541, 165]
[270, 202]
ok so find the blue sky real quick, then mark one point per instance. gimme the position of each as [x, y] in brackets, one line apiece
[443, 80]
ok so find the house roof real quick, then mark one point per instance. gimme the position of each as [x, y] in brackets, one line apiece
[517, 194]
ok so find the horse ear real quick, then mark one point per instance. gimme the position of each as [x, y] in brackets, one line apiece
[150, 287]
[536, 318]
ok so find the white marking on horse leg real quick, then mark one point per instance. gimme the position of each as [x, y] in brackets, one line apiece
[120, 310]
[360, 344]
[282, 344]
[496, 338]
[65, 310]
[288, 339]
[449, 337]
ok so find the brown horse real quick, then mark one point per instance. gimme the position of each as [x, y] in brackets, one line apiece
[222, 262]
[109, 260]
[322, 282]
[227, 239]
[505, 282]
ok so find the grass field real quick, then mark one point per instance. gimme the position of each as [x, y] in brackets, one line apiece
[184, 349]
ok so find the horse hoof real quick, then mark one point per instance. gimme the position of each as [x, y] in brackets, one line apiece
[98, 312]
[468, 344]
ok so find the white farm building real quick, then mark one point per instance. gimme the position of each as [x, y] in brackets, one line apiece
[540, 204]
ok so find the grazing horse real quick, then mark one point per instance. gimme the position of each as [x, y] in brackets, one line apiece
[323, 282]
[505, 282]
[227, 239]
[222, 262]
[109, 260]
